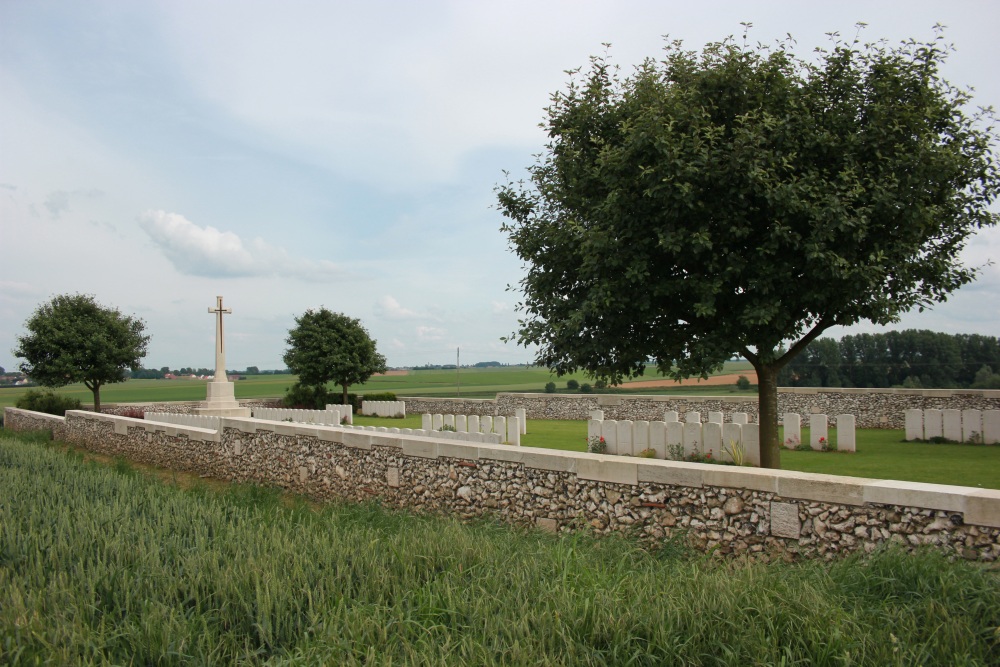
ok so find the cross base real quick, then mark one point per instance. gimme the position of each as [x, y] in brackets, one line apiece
[221, 401]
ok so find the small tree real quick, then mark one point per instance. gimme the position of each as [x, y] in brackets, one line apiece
[741, 201]
[331, 347]
[742, 383]
[550, 387]
[72, 338]
[572, 385]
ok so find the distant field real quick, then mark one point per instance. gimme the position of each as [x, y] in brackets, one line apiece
[470, 382]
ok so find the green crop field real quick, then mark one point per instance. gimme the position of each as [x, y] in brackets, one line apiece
[470, 382]
[101, 564]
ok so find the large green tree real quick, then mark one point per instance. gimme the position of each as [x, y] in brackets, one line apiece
[331, 347]
[743, 200]
[72, 338]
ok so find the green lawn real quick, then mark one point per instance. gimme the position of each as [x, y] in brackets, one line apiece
[103, 565]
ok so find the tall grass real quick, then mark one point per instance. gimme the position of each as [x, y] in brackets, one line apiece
[100, 564]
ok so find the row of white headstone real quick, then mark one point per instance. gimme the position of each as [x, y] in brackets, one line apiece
[819, 431]
[666, 439]
[979, 426]
[509, 428]
[383, 408]
[488, 438]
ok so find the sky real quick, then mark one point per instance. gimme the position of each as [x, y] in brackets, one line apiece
[301, 154]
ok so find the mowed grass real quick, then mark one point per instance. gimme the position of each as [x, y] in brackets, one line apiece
[104, 565]
[881, 453]
[470, 383]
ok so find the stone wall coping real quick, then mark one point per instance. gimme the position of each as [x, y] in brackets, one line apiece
[429, 399]
[55, 419]
[979, 506]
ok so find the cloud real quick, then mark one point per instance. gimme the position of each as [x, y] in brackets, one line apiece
[57, 202]
[500, 307]
[210, 252]
[389, 308]
[430, 333]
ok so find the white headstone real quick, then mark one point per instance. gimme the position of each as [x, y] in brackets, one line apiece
[740, 418]
[624, 437]
[640, 437]
[751, 443]
[951, 421]
[692, 417]
[597, 414]
[593, 429]
[933, 424]
[609, 431]
[675, 435]
[500, 426]
[437, 422]
[991, 427]
[449, 420]
[461, 423]
[692, 437]
[846, 440]
[658, 438]
[914, 424]
[522, 419]
[514, 431]
[474, 424]
[972, 426]
[793, 430]
[817, 431]
[732, 435]
[486, 424]
[715, 417]
[671, 416]
[711, 439]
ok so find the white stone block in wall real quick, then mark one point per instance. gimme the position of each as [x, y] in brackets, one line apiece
[522, 419]
[486, 424]
[692, 417]
[382, 429]
[597, 415]
[933, 424]
[914, 424]
[793, 430]
[640, 436]
[675, 435]
[846, 438]
[500, 427]
[448, 420]
[972, 426]
[731, 433]
[715, 417]
[740, 418]
[951, 423]
[991, 427]
[462, 423]
[817, 430]
[474, 425]
[406, 431]
[692, 437]
[624, 437]
[711, 439]
[671, 416]
[751, 443]
[437, 422]
[658, 438]
[609, 431]
[514, 431]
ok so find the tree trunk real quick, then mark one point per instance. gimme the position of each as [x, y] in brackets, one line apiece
[767, 386]
[344, 399]
[97, 397]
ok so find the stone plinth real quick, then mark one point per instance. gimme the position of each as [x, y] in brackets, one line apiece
[221, 401]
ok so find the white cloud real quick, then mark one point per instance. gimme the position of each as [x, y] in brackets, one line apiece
[500, 307]
[389, 308]
[430, 333]
[209, 252]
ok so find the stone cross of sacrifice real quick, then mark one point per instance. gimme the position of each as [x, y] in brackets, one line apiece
[220, 349]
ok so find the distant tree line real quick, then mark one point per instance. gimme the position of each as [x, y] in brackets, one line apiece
[159, 374]
[912, 359]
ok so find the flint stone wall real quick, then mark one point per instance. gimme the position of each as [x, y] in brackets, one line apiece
[874, 408]
[769, 513]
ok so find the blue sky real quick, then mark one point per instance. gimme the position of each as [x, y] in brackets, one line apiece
[301, 154]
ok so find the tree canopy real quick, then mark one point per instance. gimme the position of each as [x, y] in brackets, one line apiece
[331, 347]
[741, 201]
[72, 338]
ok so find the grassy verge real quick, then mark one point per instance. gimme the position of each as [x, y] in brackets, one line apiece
[103, 565]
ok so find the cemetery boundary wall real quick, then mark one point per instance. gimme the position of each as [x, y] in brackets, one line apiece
[725, 509]
[874, 408]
